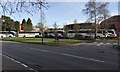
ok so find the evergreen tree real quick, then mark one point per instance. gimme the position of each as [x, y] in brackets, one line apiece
[24, 25]
[29, 25]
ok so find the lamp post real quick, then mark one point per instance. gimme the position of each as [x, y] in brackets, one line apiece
[41, 20]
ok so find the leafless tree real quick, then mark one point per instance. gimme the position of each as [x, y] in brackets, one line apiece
[96, 12]
[19, 6]
[41, 27]
[65, 27]
[55, 30]
[76, 27]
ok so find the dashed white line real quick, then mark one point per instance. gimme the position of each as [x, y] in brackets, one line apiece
[82, 57]
[98, 44]
[95, 42]
[115, 43]
[101, 43]
[107, 43]
[69, 55]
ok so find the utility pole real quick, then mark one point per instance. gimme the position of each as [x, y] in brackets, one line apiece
[41, 20]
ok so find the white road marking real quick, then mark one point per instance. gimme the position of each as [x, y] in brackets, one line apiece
[98, 44]
[115, 43]
[107, 43]
[22, 64]
[69, 55]
[101, 43]
[82, 57]
[95, 42]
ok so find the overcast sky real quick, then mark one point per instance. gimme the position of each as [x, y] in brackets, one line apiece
[62, 12]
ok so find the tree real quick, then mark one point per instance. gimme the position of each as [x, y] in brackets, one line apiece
[7, 23]
[17, 27]
[20, 6]
[95, 12]
[65, 28]
[55, 29]
[76, 27]
[41, 27]
[29, 25]
[24, 25]
[106, 15]
[24, 6]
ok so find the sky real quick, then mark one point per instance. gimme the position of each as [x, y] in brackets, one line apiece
[62, 12]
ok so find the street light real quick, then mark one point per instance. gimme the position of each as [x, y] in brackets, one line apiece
[41, 20]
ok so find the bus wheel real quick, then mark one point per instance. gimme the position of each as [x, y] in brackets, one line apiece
[1, 36]
[24, 36]
[10, 36]
[98, 36]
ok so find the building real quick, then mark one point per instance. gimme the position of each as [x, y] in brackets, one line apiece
[52, 29]
[80, 26]
[20, 26]
[114, 23]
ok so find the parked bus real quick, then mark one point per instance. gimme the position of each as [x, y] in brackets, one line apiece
[59, 33]
[91, 33]
[28, 34]
[7, 34]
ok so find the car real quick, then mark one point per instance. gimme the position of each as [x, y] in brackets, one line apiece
[110, 35]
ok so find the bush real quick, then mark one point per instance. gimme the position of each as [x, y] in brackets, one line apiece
[78, 36]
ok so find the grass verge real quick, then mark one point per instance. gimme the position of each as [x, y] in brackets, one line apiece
[117, 47]
[47, 41]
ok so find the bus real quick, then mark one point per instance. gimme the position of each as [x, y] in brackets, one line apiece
[91, 33]
[28, 34]
[60, 33]
[7, 34]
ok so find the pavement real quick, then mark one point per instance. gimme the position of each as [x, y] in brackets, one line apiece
[93, 56]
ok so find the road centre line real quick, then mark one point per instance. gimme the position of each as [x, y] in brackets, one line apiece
[91, 59]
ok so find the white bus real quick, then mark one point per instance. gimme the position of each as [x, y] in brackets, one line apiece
[7, 34]
[91, 33]
[28, 34]
[60, 33]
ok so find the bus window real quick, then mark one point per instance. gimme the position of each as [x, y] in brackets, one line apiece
[111, 32]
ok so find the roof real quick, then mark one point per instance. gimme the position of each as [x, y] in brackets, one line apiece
[115, 18]
[79, 24]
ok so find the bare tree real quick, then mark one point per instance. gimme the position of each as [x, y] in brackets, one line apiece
[76, 27]
[65, 27]
[105, 24]
[20, 6]
[41, 27]
[95, 11]
[55, 30]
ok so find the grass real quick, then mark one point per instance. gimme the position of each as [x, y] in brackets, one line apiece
[49, 41]
[117, 46]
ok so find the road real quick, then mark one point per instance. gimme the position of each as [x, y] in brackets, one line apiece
[89, 56]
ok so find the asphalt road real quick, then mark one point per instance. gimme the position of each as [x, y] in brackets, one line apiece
[89, 56]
